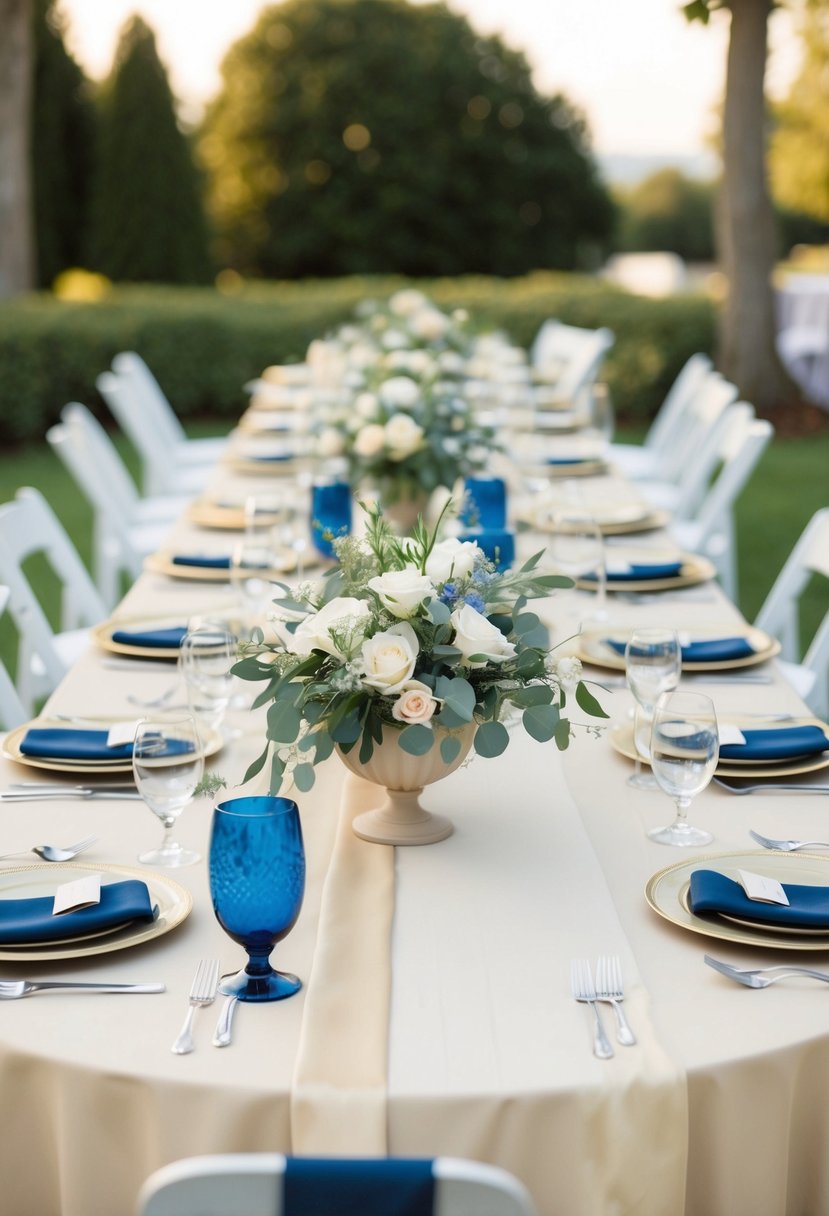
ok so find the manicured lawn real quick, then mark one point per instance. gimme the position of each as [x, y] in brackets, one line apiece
[789, 485]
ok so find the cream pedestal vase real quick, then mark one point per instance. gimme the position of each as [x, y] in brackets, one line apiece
[403, 512]
[400, 819]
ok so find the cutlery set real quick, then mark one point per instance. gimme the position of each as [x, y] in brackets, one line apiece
[608, 989]
[763, 977]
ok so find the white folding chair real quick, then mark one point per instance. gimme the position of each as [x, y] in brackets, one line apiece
[28, 526]
[125, 527]
[571, 357]
[12, 712]
[711, 530]
[780, 614]
[253, 1184]
[172, 462]
[646, 459]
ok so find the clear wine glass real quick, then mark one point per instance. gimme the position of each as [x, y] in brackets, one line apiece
[251, 573]
[685, 748]
[653, 661]
[257, 884]
[168, 764]
[206, 656]
[577, 550]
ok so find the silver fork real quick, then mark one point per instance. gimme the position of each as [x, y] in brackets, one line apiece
[202, 992]
[581, 987]
[769, 786]
[787, 846]
[762, 977]
[13, 990]
[609, 988]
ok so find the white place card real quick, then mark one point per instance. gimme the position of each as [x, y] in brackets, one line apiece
[730, 734]
[79, 893]
[121, 733]
[764, 890]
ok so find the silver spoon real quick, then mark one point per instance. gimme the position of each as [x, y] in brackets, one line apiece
[50, 852]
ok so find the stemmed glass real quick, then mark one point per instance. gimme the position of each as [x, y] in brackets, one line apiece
[206, 656]
[653, 660]
[577, 550]
[685, 748]
[168, 764]
[257, 882]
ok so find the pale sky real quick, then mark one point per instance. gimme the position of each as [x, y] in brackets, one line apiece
[646, 79]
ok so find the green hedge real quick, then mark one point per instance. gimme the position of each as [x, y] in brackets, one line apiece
[204, 345]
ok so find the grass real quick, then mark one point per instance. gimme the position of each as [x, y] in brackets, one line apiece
[786, 489]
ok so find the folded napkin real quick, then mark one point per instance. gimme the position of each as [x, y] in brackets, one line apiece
[158, 639]
[31, 920]
[640, 570]
[374, 1187]
[776, 743]
[563, 460]
[808, 907]
[274, 456]
[200, 559]
[711, 650]
[57, 743]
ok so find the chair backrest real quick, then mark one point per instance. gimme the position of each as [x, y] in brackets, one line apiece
[571, 355]
[107, 481]
[743, 443]
[124, 397]
[779, 614]
[12, 712]
[701, 411]
[155, 408]
[703, 452]
[262, 1184]
[690, 378]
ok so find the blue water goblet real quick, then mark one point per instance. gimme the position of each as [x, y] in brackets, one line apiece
[330, 514]
[485, 503]
[257, 881]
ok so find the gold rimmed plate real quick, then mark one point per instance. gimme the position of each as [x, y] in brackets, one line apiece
[10, 748]
[265, 468]
[162, 563]
[694, 569]
[621, 739]
[173, 902]
[593, 648]
[230, 516]
[667, 893]
[576, 468]
[103, 636]
[624, 520]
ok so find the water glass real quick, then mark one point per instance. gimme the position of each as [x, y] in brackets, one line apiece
[577, 550]
[685, 749]
[168, 764]
[257, 884]
[653, 661]
[206, 656]
[485, 503]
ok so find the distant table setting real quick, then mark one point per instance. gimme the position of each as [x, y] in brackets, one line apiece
[533, 989]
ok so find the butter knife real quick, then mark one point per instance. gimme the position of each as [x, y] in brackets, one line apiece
[87, 793]
[222, 1034]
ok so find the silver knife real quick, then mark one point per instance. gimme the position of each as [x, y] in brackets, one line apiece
[76, 791]
[222, 1034]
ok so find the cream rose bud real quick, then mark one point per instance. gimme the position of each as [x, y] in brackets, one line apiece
[402, 591]
[403, 436]
[371, 440]
[366, 405]
[451, 558]
[389, 658]
[415, 703]
[330, 442]
[345, 616]
[399, 391]
[474, 634]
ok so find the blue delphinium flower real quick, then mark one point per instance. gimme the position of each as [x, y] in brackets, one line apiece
[448, 594]
[474, 601]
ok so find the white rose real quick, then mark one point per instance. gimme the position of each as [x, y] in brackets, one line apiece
[389, 658]
[568, 671]
[403, 436]
[344, 613]
[370, 440]
[330, 442]
[399, 391]
[416, 703]
[474, 634]
[393, 339]
[402, 591]
[405, 302]
[366, 405]
[429, 324]
[451, 363]
[451, 558]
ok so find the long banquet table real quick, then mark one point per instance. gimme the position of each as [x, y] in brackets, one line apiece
[435, 1016]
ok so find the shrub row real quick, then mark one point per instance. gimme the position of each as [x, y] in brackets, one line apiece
[203, 345]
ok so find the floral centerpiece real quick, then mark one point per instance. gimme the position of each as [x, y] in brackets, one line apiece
[415, 644]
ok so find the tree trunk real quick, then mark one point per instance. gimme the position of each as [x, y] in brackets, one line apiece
[747, 233]
[17, 263]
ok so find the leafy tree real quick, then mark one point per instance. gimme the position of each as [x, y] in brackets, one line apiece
[63, 135]
[355, 136]
[148, 219]
[799, 154]
[16, 234]
[669, 212]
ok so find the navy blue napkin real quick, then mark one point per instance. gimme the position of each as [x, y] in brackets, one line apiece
[316, 1186]
[199, 559]
[640, 570]
[31, 920]
[59, 743]
[564, 460]
[274, 456]
[808, 907]
[712, 650]
[157, 639]
[777, 743]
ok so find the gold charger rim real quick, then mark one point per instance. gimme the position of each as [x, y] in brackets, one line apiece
[621, 740]
[102, 635]
[10, 749]
[765, 649]
[695, 569]
[213, 515]
[172, 912]
[162, 563]
[675, 910]
[579, 468]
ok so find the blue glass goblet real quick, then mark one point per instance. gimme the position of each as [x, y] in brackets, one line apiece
[257, 881]
[485, 503]
[330, 514]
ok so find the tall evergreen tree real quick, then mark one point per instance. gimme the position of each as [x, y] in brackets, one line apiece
[63, 138]
[148, 218]
[375, 135]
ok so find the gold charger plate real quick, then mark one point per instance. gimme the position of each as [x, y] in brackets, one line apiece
[103, 636]
[265, 468]
[207, 514]
[621, 522]
[667, 894]
[592, 648]
[162, 563]
[580, 468]
[621, 739]
[694, 569]
[10, 748]
[173, 901]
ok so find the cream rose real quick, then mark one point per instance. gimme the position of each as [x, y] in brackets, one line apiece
[330, 442]
[404, 303]
[402, 591]
[474, 634]
[416, 703]
[389, 658]
[366, 405]
[370, 441]
[346, 614]
[429, 323]
[451, 558]
[399, 391]
[403, 436]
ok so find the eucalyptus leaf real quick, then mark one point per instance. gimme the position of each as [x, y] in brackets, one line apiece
[563, 735]
[277, 773]
[367, 746]
[541, 721]
[417, 740]
[325, 746]
[304, 777]
[530, 694]
[348, 730]
[438, 612]
[458, 695]
[284, 722]
[586, 701]
[491, 739]
[450, 746]
[255, 767]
